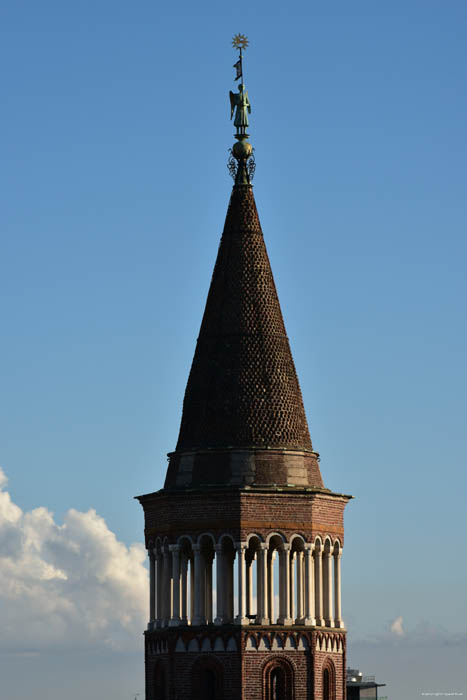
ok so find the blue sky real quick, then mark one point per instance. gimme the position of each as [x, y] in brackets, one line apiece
[115, 127]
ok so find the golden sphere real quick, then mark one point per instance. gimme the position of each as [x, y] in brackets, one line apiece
[242, 149]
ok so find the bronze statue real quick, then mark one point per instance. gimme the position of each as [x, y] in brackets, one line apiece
[239, 101]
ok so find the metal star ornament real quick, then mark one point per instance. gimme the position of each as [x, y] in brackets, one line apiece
[240, 41]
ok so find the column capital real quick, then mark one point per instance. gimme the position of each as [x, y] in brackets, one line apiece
[218, 548]
[196, 548]
[338, 554]
[309, 547]
[240, 545]
[263, 546]
[285, 547]
[174, 547]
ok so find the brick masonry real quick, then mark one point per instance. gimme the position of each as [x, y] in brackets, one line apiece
[242, 656]
[241, 513]
[244, 464]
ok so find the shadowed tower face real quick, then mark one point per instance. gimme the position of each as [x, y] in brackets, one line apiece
[244, 541]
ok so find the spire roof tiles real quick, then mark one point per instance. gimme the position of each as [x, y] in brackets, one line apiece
[243, 389]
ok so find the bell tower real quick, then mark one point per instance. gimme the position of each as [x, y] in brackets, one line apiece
[244, 540]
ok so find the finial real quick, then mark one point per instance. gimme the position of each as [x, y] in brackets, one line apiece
[241, 171]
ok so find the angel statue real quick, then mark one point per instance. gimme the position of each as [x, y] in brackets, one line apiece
[240, 101]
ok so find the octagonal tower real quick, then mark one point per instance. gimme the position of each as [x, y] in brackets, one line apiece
[244, 540]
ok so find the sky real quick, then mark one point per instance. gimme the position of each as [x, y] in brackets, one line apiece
[113, 193]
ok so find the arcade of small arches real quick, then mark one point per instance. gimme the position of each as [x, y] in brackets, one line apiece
[296, 582]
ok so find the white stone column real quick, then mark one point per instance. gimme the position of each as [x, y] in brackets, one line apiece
[159, 581]
[284, 592]
[309, 586]
[281, 587]
[249, 584]
[262, 588]
[303, 587]
[220, 585]
[338, 621]
[175, 617]
[199, 617]
[192, 588]
[292, 557]
[167, 588]
[152, 589]
[271, 612]
[328, 616]
[319, 584]
[229, 599]
[241, 619]
[184, 589]
[300, 618]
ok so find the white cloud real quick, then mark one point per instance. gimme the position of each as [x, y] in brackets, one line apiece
[396, 627]
[67, 586]
[3, 478]
[422, 634]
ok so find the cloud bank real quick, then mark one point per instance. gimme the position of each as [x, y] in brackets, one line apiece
[396, 627]
[70, 586]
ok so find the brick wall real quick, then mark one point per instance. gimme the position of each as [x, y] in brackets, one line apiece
[241, 513]
[242, 669]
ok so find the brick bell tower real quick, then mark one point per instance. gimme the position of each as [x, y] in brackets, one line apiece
[244, 540]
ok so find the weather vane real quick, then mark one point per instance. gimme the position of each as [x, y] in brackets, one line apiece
[242, 171]
[239, 42]
[239, 102]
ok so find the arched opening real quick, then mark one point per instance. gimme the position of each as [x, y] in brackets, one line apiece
[166, 584]
[186, 581]
[337, 553]
[207, 556]
[225, 580]
[278, 681]
[318, 572]
[208, 684]
[297, 580]
[160, 686]
[328, 612]
[278, 684]
[253, 580]
[275, 579]
[326, 685]
[207, 681]
[329, 682]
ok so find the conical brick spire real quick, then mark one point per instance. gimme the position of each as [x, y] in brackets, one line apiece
[243, 389]
[243, 419]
